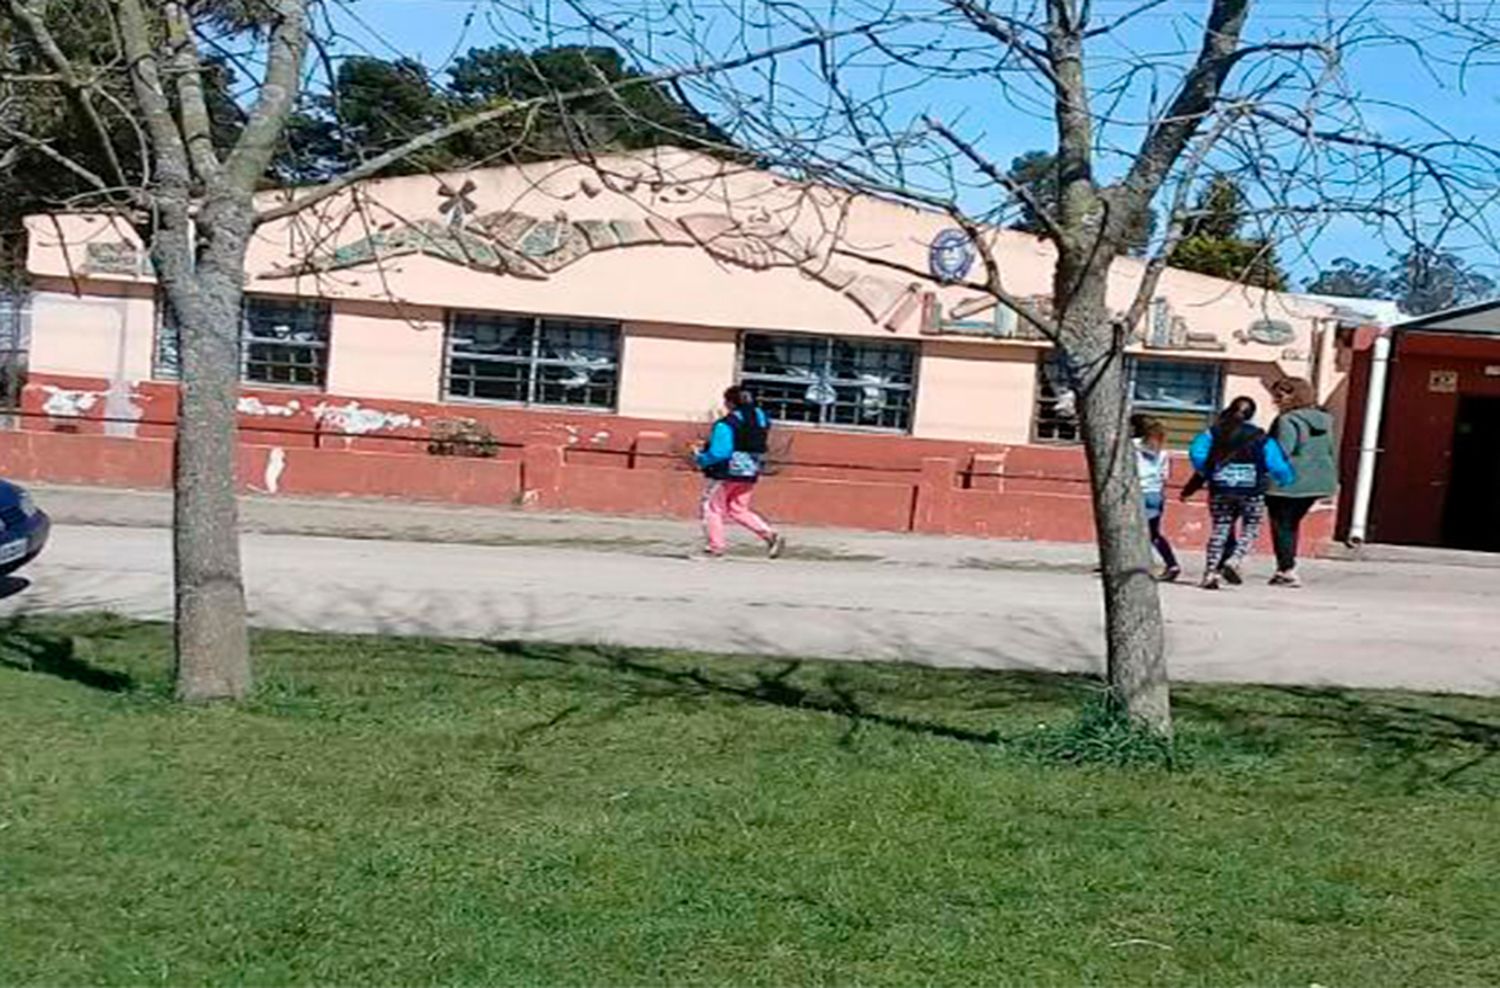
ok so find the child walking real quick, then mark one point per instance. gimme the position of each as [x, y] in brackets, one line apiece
[1238, 461]
[1154, 466]
[732, 462]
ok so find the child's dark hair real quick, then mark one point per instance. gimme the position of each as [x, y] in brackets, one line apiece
[1238, 413]
[737, 395]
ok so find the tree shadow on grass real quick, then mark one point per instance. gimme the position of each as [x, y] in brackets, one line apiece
[29, 648]
[775, 686]
[1430, 746]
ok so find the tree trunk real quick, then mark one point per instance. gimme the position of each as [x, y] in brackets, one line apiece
[212, 643]
[1134, 638]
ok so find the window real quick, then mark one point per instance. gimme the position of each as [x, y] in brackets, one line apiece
[832, 381]
[1056, 403]
[166, 364]
[15, 341]
[284, 341]
[1183, 395]
[531, 359]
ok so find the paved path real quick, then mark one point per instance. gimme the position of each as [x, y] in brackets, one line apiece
[1358, 624]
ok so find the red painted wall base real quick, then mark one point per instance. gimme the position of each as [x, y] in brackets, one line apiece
[591, 463]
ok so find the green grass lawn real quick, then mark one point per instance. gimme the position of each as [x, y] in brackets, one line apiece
[412, 812]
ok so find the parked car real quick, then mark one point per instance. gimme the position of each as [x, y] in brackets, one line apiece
[23, 528]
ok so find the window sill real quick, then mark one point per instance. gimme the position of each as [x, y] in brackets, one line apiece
[293, 388]
[530, 406]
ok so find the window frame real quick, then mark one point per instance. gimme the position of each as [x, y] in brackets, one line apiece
[160, 369]
[170, 370]
[16, 313]
[533, 362]
[324, 310]
[1133, 364]
[829, 341]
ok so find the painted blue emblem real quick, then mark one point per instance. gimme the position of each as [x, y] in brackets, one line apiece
[951, 255]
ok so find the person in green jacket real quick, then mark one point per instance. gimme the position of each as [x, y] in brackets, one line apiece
[1305, 432]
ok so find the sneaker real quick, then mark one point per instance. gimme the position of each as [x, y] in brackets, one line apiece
[1210, 582]
[1289, 580]
[775, 546]
[1231, 574]
[1170, 574]
[706, 556]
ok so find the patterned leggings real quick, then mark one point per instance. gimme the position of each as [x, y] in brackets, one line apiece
[1225, 545]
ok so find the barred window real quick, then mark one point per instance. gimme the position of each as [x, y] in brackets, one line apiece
[532, 360]
[15, 342]
[1183, 395]
[832, 381]
[285, 342]
[166, 363]
[1056, 402]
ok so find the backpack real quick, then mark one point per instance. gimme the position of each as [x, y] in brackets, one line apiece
[1234, 467]
[751, 439]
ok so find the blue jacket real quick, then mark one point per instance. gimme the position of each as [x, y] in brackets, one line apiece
[1231, 477]
[720, 457]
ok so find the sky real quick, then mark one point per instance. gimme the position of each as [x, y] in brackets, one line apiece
[1398, 84]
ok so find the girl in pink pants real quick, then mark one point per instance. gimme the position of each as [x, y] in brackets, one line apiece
[729, 500]
[732, 461]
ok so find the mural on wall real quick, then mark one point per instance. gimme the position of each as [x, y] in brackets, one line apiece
[983, 317]
[116, 257]
[1270, 332]
[525, 246]
[950, 256]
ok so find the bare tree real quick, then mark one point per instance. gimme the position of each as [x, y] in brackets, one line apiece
[1144, 103]
[833, 93]
[136, 76]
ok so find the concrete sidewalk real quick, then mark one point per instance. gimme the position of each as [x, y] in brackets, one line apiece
[413, 522]
[1356, 624]
[398, 568]
[409, 522]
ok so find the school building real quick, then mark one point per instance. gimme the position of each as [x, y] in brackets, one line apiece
[553, 335]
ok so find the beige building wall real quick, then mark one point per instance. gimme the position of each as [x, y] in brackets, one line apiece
[1252, 381]
[385, 352]
[675, 372]
[109, 333]
[699, 250]
[975, 393]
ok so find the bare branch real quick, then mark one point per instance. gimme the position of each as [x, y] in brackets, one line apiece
[172, 162]
[1167, 139]
[1073, 120]
[993, 172]
[42, 147]
[1177, 224]
[257, 144]
[1010, 33]
[79, 89]
[437, 135]
[196, 127]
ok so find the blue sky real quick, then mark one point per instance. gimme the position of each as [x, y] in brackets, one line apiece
[1386, 75]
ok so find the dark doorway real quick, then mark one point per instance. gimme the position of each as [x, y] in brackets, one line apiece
[1472, 516]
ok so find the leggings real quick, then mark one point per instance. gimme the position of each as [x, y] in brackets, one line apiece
[1155, 511]
[1226, 547]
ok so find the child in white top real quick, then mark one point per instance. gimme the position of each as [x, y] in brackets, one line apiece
[1154, 467]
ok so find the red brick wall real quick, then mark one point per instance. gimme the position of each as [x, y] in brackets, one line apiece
[580, 462]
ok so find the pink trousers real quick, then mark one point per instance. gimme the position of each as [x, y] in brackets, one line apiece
[729, 500]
